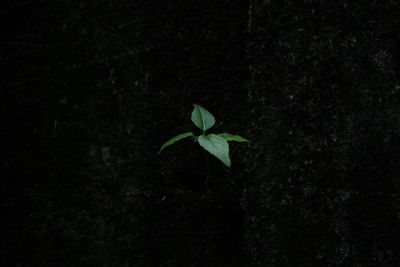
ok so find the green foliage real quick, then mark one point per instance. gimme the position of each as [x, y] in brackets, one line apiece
[202, 118]
[231, 137]
[216, 144]
[175, 139]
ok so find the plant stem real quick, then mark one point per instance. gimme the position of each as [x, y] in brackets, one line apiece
[208, 171]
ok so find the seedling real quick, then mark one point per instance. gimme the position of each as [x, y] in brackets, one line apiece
[216, 144]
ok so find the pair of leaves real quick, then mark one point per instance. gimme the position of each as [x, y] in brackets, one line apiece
[216, 144]
[201, 117]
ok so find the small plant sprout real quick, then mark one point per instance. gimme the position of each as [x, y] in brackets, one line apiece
[216, 144]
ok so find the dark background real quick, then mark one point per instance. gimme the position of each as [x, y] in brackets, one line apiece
[90, 90]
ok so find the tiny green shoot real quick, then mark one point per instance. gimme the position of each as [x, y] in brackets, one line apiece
[216, 144]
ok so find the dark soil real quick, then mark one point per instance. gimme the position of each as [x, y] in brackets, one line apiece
[90, 91]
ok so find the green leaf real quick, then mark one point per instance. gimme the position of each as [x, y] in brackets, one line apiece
[231, 137]
[175, 139]
[217, 146]
[202, 118]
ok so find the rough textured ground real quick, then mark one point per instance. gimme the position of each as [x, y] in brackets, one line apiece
[90, 90]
